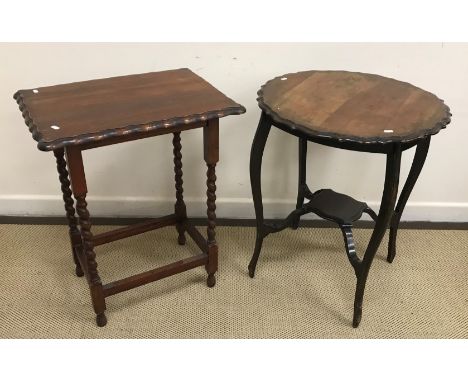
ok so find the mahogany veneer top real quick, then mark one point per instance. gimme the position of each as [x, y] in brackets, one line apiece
[359, 107]
[101, 109]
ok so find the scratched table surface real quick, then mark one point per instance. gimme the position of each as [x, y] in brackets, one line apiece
[353, 106]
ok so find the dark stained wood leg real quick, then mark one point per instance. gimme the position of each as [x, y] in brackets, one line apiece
[74, 232]
[180, 208]
[256, 156]
[211, 154]
[416, 167]
[302, 177]
[258, 247]
[392, 175]
[78, 184]
[350, 247]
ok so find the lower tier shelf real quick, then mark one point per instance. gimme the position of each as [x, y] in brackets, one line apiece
[339, 208]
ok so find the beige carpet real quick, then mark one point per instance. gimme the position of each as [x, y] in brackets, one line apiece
[304, 287]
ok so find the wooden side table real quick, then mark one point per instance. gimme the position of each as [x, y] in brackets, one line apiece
[70, 118]
[353, 111]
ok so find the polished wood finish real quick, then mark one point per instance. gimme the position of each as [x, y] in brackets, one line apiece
[135, 229]
[353, 111]
[154, 275]
[180, 209]
[196, 236]
[211, 154]
[357, 107]
[112, 140]
[74, 232]
[101, 109]
[79, 188]
[80, 116]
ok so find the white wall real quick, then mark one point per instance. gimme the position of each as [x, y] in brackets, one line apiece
[135, 178]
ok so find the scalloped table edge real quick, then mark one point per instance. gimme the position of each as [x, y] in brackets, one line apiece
[349, 138]
[119, 131]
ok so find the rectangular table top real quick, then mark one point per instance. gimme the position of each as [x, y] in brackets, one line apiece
[96, 110]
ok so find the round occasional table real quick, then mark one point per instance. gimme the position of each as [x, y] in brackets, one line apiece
[353, 111]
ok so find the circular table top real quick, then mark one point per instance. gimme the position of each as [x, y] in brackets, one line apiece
[357, 107]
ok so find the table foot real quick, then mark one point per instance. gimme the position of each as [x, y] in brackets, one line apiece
[181, 239]
[211, 281]
[357, 316]
[101, 320]
[78, 271]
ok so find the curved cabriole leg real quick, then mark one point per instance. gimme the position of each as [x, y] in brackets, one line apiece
[211, 154]
[416, 167]
[180, 208]
[78, 183]
[74, 232]
[387, 205]
[302, 177]
[256, 155]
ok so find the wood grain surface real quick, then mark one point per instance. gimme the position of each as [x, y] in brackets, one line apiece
[80, 112]
[353, 106]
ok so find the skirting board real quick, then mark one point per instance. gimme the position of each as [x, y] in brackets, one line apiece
[227, 208]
